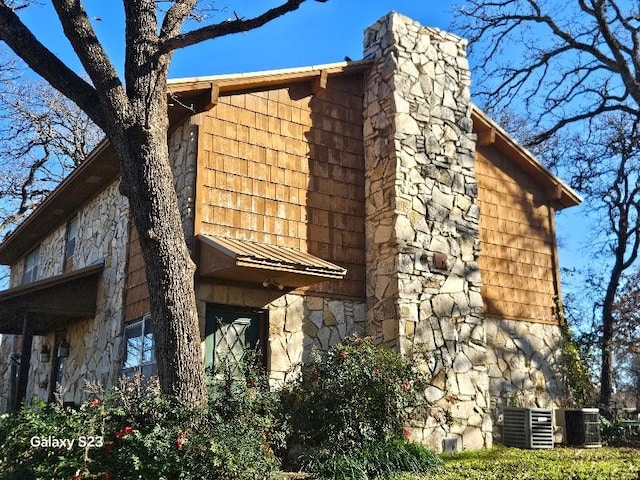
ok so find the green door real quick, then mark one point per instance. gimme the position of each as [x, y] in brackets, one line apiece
[229, 331]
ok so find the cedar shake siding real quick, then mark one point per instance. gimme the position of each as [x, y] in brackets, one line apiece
[518, 259]
[285, 167]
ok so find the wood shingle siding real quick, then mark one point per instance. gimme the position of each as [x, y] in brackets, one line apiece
[137, 294]
[285, 166]
[518, 241]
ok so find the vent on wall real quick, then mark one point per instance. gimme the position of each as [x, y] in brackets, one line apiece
[583, 427]
[527, 428]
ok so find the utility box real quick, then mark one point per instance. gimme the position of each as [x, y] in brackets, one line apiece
[582, 427]
[527, 427]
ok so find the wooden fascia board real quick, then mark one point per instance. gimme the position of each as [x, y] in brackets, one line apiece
[482, 124]
[45, 283]
[229, 84]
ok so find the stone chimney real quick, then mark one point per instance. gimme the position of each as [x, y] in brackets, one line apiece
[423, 282]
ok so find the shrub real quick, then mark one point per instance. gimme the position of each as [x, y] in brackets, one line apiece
[347, 410]
[377, 460]
[139, 433]
[617, 433]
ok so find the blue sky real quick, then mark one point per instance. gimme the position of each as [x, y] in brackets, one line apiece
[317, 33]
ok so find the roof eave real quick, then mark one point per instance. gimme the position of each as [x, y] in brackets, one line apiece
[561, 194]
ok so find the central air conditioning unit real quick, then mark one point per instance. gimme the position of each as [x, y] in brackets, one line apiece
[527, 427]
[582, 427]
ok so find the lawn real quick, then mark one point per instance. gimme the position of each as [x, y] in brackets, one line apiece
[557, 464]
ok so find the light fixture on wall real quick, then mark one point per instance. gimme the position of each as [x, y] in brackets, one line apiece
[45, 353]
[63, 349]
[272, 282]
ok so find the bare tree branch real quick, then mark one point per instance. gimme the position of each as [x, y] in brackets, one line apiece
[228, 27]
[85, 43]
[581, 58]
[42, 61]
[43, 137]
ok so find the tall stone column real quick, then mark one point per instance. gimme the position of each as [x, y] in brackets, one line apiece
[423, 282]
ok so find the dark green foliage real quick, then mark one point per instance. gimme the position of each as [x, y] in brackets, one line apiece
[354, 394]
[378, 460]
[347, 411]
[617, 433]
[146, 435]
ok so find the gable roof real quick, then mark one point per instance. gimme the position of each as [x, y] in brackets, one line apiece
[197, 94]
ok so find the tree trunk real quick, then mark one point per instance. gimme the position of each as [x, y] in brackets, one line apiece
[139, 136]
[606, 350]
[606, 346]
[147, 181]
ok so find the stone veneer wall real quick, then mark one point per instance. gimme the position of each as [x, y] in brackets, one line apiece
[525, 365]
[297, 323]
[183, 150]
[423, 282]
[95, 344]
[6, 350]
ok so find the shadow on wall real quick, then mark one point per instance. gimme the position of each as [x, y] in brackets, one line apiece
[520, 284]
[335, 204]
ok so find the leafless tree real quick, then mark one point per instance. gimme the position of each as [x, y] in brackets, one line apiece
[627, 336]
[132, 112]
[572, 66]
[563, 62]
[605, 166]
[43, 137]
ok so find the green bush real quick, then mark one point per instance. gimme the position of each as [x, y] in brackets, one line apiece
[617, 433]
[377, 460]
[347, 409]
[138, 433]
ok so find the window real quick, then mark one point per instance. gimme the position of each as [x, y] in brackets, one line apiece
[70, 242]
[31, 266]
[139, 355]
[231, 330]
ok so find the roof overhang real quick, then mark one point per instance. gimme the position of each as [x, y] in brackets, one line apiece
[51, 303]
[491, 134]
[263, 264]
[214, 85]
[86, 181]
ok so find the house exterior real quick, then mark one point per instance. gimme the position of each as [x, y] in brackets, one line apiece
[368, 197]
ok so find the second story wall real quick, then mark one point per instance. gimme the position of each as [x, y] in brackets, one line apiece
[518, 260]
[101, 233]
[285, 166]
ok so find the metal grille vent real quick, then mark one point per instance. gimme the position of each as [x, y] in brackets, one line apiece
[583, 427]
[527, 428]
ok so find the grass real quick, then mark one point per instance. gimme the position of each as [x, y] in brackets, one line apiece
[501, 463]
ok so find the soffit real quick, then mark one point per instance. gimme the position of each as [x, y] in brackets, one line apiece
[52, 303]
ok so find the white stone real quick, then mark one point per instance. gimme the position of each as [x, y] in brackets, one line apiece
[405, 123]
[453, 284]
[461, 364]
